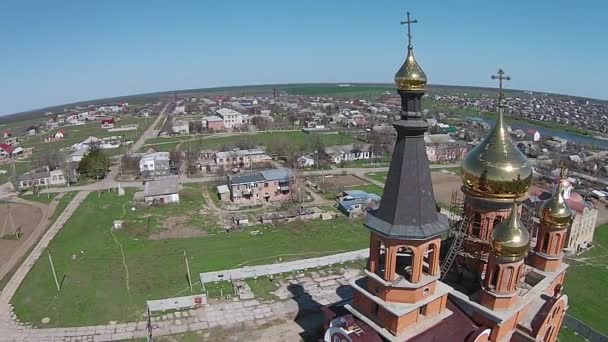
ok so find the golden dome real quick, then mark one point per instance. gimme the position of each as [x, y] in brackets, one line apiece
[510, 240]
[495, 168]
[555, 212]
[410, 76]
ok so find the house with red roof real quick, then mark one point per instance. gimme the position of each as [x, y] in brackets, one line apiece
[7, 134]
[107, 123]
[6, 150]
[59, 135]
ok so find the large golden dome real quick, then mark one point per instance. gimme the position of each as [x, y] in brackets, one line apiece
[495, 168]
[510, 240]
[410, 76]
[555, 212]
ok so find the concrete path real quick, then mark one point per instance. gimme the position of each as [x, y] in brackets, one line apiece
[8, 326]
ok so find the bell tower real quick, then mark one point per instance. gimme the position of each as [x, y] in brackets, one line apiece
[400, 294]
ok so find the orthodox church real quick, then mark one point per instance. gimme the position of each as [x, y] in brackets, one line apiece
[475, 278]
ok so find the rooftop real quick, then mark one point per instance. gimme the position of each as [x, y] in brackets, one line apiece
[161, 187]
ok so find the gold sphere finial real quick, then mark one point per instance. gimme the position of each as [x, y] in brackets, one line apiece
[554, 212]
[410, 76]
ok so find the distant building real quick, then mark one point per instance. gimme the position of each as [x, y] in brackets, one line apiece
[352, 152]
[306, 161]
[240, 158]
[154, 164]
[232, 118]
[443, 153]
[7, 134]
[584, 221]
[357, 202]
[181, 109]
[181, 127]
[214, 123]
[260, 187]
[107, 123]
[47, 178]
[161, 191]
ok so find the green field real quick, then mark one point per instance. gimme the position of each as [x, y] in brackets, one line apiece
[76, 134]
[363, 91]
[94, 289]
[298, 140]
[586, 279]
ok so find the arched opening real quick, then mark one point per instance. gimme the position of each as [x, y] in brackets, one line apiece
[404, 265]
[381, 266]
[429, 262]
[476, 225]
[545, 246]
[548, 334]
[555, 243]
[506, 283]
[494, 277]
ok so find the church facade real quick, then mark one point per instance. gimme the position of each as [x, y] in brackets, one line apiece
[473, 279]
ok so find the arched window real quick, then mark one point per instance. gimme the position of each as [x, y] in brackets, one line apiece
[545, 247]
[494, 279]
[404, 265]
[476, 225]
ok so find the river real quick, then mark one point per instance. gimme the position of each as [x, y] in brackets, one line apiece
[553, 132]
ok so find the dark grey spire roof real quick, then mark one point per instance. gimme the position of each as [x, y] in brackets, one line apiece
[408, 209]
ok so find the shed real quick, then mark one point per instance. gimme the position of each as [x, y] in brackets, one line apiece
[161, 191]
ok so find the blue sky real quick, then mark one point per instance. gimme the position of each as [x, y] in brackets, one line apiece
[55, 52]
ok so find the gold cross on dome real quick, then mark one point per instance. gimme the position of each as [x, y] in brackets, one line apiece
[409, 29]
[500, 77]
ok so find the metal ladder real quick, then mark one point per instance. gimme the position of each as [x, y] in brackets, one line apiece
[459, 231]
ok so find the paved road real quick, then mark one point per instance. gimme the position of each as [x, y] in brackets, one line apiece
[112, 184]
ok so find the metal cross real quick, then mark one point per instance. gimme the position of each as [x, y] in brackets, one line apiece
[500, 77]
[409, 29]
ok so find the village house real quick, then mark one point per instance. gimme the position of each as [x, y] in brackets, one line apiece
[13, 141]
[232, 118]
[46, 178]
[161, 191]
[306, 161]
[107, 123]
[7, 134]
[352, 152]
[444, 153]
[154, 164]
[260, 187]
[181, 127]
[357, 202]
[240, 158]
[8, 151]
[213, 123]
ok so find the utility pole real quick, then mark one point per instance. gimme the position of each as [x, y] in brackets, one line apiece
[54, 273]
[149, 326]
[188, 270]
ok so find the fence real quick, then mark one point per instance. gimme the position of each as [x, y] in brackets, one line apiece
[584, 330]
[283, 267]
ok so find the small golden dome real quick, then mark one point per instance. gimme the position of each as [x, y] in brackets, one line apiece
[510, 240]
[410, 76]
[555, 212]
[495, 168]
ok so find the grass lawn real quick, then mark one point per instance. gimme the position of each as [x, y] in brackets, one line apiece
[295, 139]
[88, 254]
[568, 335]
[586, 280]
[379, 176]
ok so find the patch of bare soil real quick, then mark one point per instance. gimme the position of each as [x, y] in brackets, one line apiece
[25, 218]
[341, 181]
[177, 227]
[444, 185]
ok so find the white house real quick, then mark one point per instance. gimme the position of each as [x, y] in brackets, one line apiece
[306, 161]
[232, 118]
[350, 152]
[181, 127]
[154, 164]
[180, 109]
